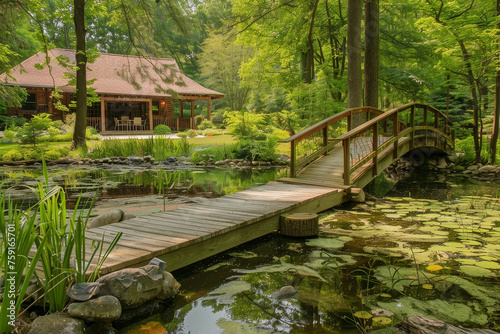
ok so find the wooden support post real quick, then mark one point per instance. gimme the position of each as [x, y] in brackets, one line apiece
[103, 114]
[177, 124]
[346, 143]
[436, 124]
[292, 159]
[395, 133]
[299, 225]
[412, 124]
[209, 100]
[181, 108]
[150, 114]
[375, 149]
[192, 115]
[425, 124]
[325, 136]
[349, 121]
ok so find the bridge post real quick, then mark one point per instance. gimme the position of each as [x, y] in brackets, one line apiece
[349, 121]
[346, 143]
[412, 124]
[292, 159]
[325, 137]
[375, 149]
[425, 124]
[395, 133]
[436, 121]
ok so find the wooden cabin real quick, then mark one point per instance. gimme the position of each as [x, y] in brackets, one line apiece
[136, 93]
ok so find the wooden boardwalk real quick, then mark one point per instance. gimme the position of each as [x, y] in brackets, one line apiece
[191, 233]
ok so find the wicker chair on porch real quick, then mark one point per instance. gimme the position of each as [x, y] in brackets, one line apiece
[118, 124]
[138, 124]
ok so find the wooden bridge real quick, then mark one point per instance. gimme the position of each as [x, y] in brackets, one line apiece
[328, 161]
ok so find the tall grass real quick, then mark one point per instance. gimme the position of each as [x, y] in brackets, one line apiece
[159, 148]
[18, 235]
[60, 247]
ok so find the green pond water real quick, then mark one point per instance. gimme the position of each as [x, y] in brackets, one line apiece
[434, 253]
[125, 181]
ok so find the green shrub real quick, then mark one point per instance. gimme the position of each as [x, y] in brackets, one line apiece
[31, 154]
[68, 136]
[162, 129]
[9, 122]
[58, 124]
[9, 134]
[182, 134]
[206, 124]
[212, 132]
[53, 132]
[191, 133]
[32, 131]
[52, 154]
[197, 120]
[91, 134]
[12, 155]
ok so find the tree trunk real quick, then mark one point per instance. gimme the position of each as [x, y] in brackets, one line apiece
[354, 76]
[496, 115]
[307, 64]
[81, 75]
[371, 52]
[475, 102]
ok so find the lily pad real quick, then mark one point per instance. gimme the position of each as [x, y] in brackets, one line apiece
[224, 294]
[488, 264]
[475, 271]
[326, 243]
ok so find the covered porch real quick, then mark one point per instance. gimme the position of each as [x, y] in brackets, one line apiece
[137, 115]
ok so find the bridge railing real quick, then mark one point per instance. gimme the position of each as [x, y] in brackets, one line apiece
[417, 123]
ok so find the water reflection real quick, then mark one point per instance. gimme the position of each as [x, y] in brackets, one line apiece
[123, 182]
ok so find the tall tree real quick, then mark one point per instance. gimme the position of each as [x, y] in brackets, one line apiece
[81, 75]
[496, 112]
[371, 52]
[354, 75]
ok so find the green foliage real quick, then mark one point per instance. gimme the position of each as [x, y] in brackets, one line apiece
[9, 134]
[159, 148]
[243, 124]
[216, 152]
[19, 233]
[31, 154]
[7, 122]
[53, 132]
[91, 134]
[162, 129]
[12, 155]
[31, 131]
[258, 150]
[182, 135]
[66, 244]
[191, 133]
[52, 154]
[466, 152]
[205, 124]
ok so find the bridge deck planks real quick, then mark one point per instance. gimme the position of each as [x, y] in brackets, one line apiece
[191, 233]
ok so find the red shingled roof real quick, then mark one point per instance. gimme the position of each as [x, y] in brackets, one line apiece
[115, 74]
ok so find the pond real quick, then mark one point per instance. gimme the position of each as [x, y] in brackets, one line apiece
[434, 252]
[124, 182]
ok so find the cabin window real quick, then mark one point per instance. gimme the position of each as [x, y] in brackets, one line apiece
[30, 103]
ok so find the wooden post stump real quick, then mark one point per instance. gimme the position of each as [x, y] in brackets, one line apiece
[299, 224]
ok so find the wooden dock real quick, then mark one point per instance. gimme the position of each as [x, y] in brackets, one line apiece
[192, 233]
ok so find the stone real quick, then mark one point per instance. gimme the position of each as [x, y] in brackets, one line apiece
[83, 291]
[157, 262]
[101, 309]
[106, 218]
[132, 286]
[442, 163]
[220, 163]
[487, 169]
[170, 286]
[57, 323]
[451, 158]
[140, 312]
[128, 215]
